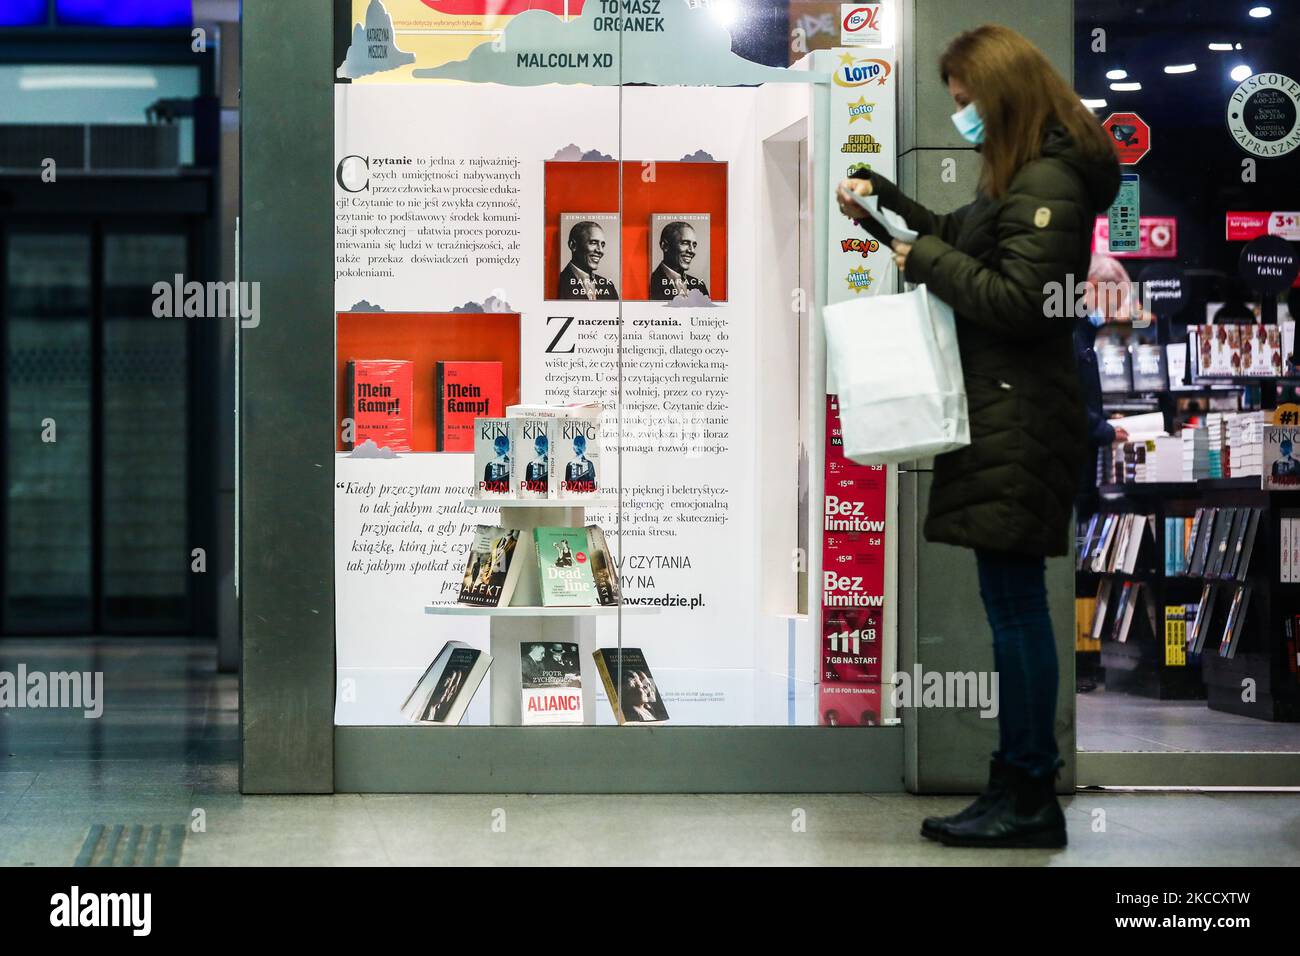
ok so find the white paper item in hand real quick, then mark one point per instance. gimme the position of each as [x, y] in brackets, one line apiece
[894, 224]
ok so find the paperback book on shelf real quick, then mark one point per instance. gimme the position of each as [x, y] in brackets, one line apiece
[1149, 368]
[550, 675]
[532, 438]
[603, 569]
[1243, 545]
[443, 693]
[1176, 635]
[1224, 528]
[564, 567]
[493, 460]
[1232, 630]
[492, 567]
[576, 460]
[1201, 622]
[380, 400]
[1281, 458]
[1210, 518]
[464, 391]
[1103, 607]
[635, 698]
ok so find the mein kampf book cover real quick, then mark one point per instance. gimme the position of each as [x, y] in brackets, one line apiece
[532, 438]
[550, 676]
[380, 398]
[632, 691]
[465, 391]
[564, 567]
[603, 569]
[443, 693]
[492, 568]
[493, 468]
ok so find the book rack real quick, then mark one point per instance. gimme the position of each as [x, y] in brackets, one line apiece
[1257, 681]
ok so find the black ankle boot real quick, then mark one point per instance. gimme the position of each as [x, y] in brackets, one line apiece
[997, 785]
[1026, 815]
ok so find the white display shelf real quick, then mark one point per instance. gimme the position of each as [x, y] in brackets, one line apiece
[600, 610]
[605, 501]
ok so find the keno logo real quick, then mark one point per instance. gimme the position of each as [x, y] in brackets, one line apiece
[861, 72]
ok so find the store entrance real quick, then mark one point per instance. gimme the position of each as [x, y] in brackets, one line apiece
[1186, 610]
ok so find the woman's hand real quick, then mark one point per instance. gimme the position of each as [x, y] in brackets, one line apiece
[848, 205]
[901, 249]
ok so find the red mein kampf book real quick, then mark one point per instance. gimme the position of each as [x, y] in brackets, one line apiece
[466, 391]
[380, 396]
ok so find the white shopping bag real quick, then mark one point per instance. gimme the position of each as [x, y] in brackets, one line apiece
[897, 371]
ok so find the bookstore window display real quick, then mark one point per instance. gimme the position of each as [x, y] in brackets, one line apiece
[1186, 619]
[583, 435]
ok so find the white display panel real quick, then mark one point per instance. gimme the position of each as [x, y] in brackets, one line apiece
[691, 522]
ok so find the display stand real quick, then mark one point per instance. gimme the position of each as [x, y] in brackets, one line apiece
[525, 619]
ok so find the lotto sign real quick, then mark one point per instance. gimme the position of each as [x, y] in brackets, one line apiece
[1130, 135]
[862, 24]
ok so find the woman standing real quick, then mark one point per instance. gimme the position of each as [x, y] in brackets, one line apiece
[1047, 170]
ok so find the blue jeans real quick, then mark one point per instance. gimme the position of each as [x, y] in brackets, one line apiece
[1014, 589]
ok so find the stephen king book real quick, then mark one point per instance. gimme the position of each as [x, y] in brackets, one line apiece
[532, 439]
[493, 469]
[564, 567]
[550, 676]
[443, 693]
[631, 688]
[576, 458]
[465, 391]
[492, 568]
[603, 569]
[380, 402]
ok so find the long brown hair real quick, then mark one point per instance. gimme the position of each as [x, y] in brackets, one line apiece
[1019, 95]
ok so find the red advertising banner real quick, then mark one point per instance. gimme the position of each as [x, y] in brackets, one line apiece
[850, 705]
[1157, 238]
[1245, 226]
[853, 562]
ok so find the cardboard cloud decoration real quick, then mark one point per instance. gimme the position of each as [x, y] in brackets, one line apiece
[573, 153]
[368, 449]
[373, 48]
[660, 42]
[491, 304]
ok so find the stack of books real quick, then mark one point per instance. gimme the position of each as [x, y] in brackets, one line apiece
[1215, 442]
[1196, 454]
[1165, 463]
[1246, 443]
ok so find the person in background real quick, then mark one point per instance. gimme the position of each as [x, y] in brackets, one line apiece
[1047, 170]
[1100, 432]
[1107, 297]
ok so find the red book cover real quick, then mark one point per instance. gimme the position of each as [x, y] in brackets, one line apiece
[466, 391]
[380, 399]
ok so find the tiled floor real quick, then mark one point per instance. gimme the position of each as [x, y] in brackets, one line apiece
[1110, 721]
[166, 750]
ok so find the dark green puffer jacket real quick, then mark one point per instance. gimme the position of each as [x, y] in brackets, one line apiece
[1012, 489]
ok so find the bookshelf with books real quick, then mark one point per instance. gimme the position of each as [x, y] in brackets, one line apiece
[1214, 606]
[1127, 596]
